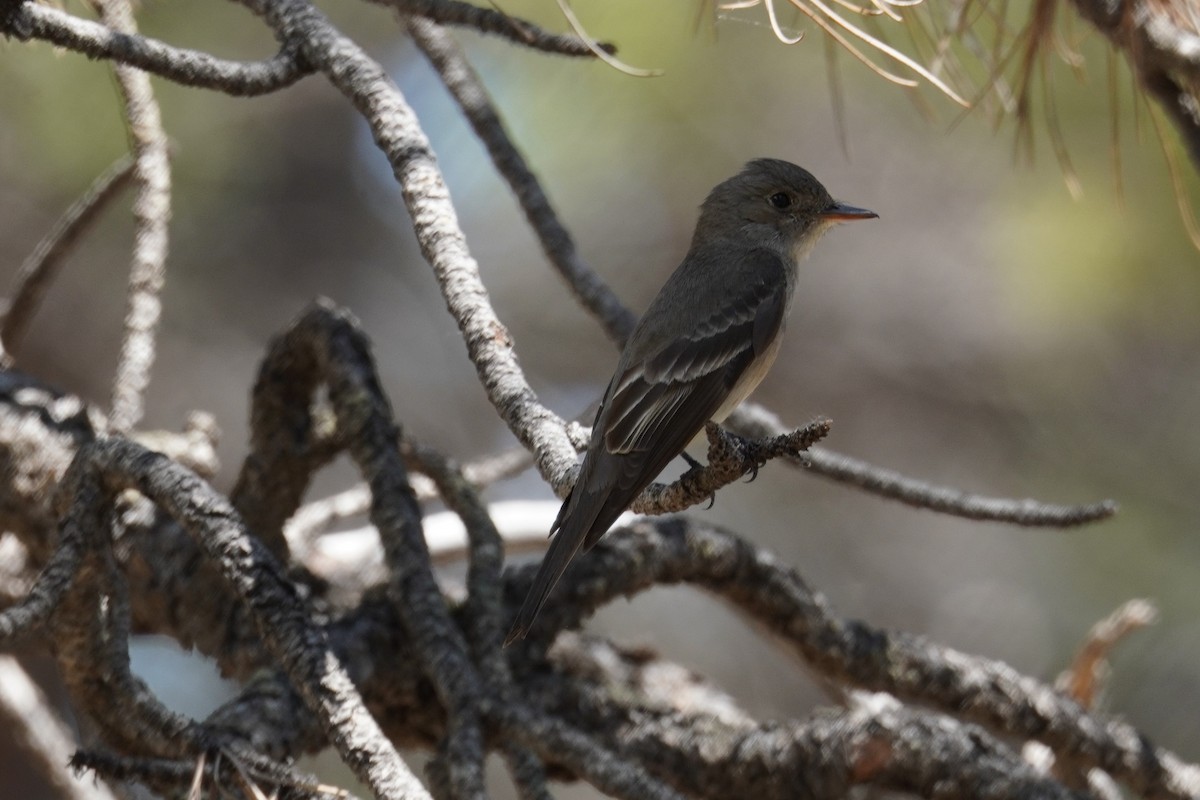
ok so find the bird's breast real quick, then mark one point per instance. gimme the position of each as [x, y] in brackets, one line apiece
[750, 378]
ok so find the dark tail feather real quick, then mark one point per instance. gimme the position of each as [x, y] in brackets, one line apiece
[602, 492]
[576, 524]
[563, 548]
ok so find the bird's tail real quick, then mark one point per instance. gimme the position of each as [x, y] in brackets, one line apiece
[576, 521]
[562, 550]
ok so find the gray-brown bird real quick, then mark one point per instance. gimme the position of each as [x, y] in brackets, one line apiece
[704, 343]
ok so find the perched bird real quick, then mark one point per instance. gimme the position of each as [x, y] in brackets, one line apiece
[704, 343]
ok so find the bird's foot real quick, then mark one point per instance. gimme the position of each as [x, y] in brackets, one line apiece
[752, 453]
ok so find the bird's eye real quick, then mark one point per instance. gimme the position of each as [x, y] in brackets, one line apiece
[781, 200]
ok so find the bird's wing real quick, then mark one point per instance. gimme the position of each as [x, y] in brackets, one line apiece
[656, 403]
[682, 385]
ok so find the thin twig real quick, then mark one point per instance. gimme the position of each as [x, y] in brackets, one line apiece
[39, 269]
[168, 775]
[1084, 679]
[151, 213]
[608, 58]
[956, 502]
[186, 67]
[729, 458]
[469, 92]
[755, 421]
[496, 22]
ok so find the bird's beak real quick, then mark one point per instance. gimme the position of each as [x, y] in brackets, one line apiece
[843, 212]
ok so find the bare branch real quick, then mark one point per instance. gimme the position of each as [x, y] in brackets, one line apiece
[283, 620]
[399, 136]
[485, 600]
[313, 519]
[729, 458]
[852, 653]
[91, 622]
[756, 421]
[468, 91]
[151, 213]
[38, 271]
[496, 22]
[887, 483]
[41, 430]
[30, 20]
[555, 741]
[868, 654]
[877, 742]
[325, 346]
[47, 591]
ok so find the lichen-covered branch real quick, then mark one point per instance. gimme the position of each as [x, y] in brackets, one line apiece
[399, 136]
[284, 621]
[853, 653]
[151, 214]
[756, 421]
[496, 22]
[533, 711]
[469, 92]
[26, 21]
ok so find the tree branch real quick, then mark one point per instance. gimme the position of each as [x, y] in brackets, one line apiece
[849, 652]
[30, 20]
[1163, 49]
[38, 271]
[283, 620]
[399, 136]
[468, 91]
[151, 213]
[496, 22]
[756, 421]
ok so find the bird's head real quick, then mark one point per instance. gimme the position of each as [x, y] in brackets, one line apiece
[773, 203]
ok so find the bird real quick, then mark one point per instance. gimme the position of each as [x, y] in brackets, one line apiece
[705, 341]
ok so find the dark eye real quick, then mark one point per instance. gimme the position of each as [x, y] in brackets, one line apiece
[781, 200]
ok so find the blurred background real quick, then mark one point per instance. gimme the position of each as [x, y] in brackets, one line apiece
[987, 331]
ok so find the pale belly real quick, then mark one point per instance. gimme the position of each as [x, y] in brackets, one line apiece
[749, 380]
